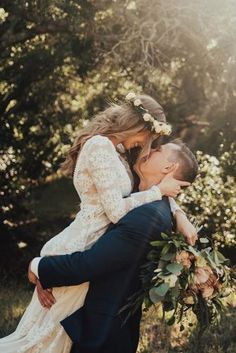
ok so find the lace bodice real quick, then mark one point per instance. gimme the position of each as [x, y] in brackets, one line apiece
[104, 184]
[102, 181]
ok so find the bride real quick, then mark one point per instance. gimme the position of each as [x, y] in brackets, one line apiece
[104, 182]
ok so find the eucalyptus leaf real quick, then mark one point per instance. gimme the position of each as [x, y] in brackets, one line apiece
[193, 251]
[210, 259]
[154, 297]
[165, 250]
[215, 257]
[174, 268]
[177, 243]
[221, 257]
[162, 289]
[159, 243]
[165, 236]
[168, 257]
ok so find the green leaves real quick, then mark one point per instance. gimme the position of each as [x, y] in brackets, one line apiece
[158, 243]
[174, 268]
[176, 285]
[157, 293]
[193, 251]
[162, 289]
[155, 298]
[218, 257]
[168, 256]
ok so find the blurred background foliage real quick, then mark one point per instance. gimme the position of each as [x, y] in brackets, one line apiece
[61, 61]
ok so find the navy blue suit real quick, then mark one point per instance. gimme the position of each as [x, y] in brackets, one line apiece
[112, 266]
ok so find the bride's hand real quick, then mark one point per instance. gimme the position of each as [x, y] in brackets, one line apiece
[169, 186]
[31, 276]
[185, 227]
[45, 296]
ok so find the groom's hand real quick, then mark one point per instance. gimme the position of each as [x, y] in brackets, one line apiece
[45, 296]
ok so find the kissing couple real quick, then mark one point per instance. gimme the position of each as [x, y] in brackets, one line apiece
[86, 273]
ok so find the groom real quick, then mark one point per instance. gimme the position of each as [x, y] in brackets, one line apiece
[112, 265]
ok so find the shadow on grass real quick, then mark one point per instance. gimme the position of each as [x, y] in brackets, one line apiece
[157, 337]
[14, 297]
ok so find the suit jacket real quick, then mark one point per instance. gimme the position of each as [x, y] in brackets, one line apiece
[112, 266]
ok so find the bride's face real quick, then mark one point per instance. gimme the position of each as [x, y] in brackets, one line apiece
[137, 140]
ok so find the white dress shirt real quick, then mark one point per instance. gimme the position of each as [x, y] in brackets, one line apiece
[35, 265]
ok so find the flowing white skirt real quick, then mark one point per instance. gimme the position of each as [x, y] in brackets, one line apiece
[39, 330]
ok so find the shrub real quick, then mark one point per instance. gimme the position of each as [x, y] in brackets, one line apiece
[211, 199]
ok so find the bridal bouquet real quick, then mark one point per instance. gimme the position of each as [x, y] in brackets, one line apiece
[181, 278]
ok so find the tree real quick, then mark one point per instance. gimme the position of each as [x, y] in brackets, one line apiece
[60, 60]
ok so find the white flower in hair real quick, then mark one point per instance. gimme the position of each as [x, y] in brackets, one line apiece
[130, 96]
[147, 117]
[166, 129]
[137, 102]
[157, 126]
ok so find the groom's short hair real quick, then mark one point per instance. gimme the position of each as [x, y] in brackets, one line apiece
[188, 165]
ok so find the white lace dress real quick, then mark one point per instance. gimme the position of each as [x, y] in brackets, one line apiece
[104, 184]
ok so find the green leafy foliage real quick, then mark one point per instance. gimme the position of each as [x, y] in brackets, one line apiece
[174, 267]
[211, 200]
[61, 61]
[190, 279]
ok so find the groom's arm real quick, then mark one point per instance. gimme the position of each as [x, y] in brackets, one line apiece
[119, 248]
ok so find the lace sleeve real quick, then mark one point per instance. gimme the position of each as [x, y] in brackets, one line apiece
[101, 165]
[174, 206]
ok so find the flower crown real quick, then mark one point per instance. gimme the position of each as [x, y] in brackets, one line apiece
[159, 127]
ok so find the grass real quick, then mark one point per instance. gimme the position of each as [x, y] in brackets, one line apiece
[156, 337]
[14, 297]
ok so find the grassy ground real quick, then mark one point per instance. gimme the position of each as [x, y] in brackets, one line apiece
[14, 297]
[156, 337]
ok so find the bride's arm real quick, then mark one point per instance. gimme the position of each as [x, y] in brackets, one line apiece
[101, 165]
[183, 225]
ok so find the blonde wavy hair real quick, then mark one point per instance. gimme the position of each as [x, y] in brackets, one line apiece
[118, 120]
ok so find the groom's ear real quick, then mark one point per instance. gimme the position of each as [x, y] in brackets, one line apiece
[169, 168]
